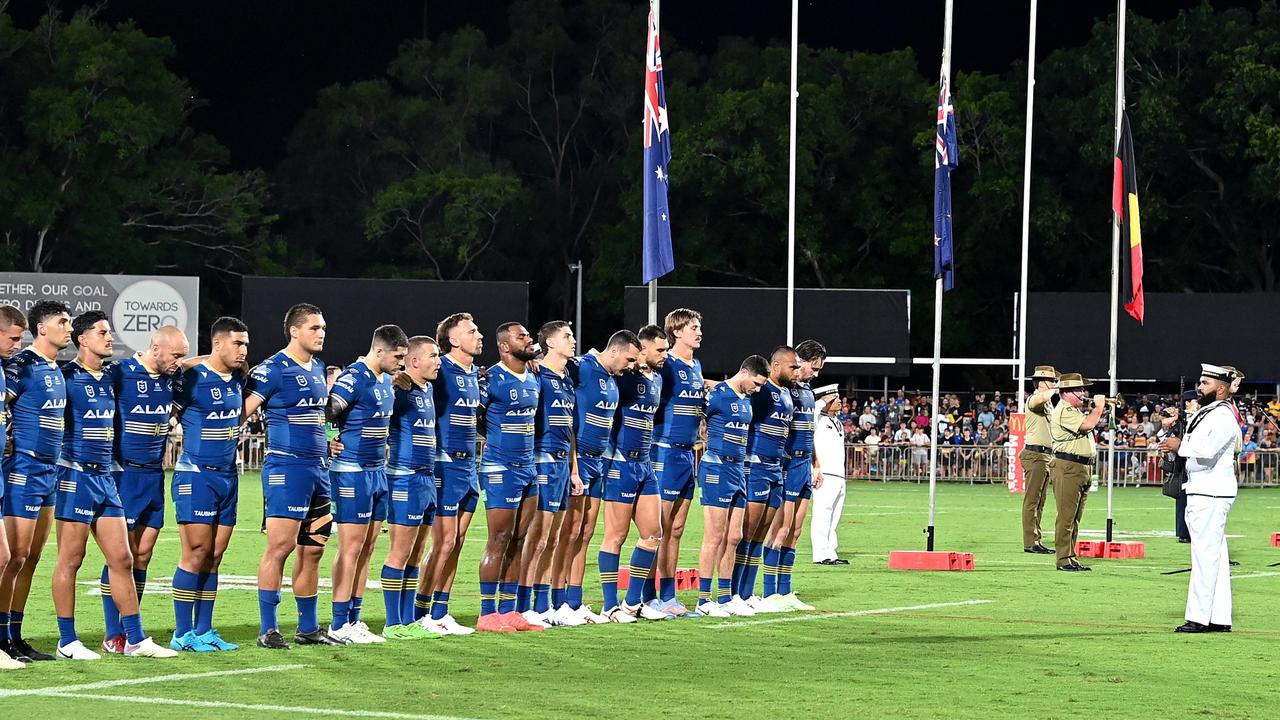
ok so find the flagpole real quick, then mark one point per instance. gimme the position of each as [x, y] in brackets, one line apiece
[1026, 214]
[653, 302]
[1113, 389]
[937, 322]
[791, 176]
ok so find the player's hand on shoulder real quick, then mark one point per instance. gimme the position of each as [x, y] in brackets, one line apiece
[402, 381]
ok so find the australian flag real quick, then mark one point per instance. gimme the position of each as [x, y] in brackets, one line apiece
[946, 157]
[658, 260]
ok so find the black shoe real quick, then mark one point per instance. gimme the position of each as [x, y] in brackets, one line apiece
[1191, 626]
[1184, 540]
[1074, 567]
[828, 561]
[272, 640]
[1037, 549]
[1078, 566]
[840, 561]
[7, 647]
[319, 636]
[25, 650]
[1214, 627]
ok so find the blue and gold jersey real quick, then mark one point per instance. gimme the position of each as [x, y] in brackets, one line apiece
[771, 411]
[595, 403]
[638, 396]
[209, 405]
[555, 412]
[90, 415]
[728, 421]
[364, 424]
[413, 429]
[803, 419]
[4, 402]
[511, 406]
[680, 413]
[457, 396]
[37, 398]
[144, 402]
[294, 397]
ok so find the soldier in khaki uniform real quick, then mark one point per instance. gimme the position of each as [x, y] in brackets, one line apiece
[1035, 456]
[1071, 431]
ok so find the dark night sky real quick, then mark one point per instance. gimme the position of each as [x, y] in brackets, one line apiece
[259, 63]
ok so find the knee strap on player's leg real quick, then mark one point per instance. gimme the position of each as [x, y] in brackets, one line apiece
[315, 532]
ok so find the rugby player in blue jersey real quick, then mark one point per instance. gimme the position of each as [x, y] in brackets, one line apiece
[88, 501]
[209, 402]
[721, 480]
[361, 403]
[595, 406]
[290, 385]
[144, 385]
[676, 429]
[36, 397]
[12, 326]
[800, 476]
[630, 486]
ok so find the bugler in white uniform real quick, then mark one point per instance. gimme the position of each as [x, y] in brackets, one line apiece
[828, 499]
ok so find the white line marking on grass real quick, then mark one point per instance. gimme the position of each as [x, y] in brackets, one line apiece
[102, 685]
[311, 711]
[1256, 575]
[853, 613]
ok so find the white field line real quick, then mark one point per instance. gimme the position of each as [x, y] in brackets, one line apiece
[1049, 563]
[104, 684]
[852, 613]
[1130, 534]
[1256, 575]
[163, 584]
[274, 709]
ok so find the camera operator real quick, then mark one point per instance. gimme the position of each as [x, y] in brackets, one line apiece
[1211, 446]
[1173, 424]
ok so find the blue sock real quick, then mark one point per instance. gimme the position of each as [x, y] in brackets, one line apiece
[267, 602]
[140, 581]
[740, 558]
[488, 598]
[440, 605]
[66, 631]
[15, 624]
[608, 563]
[409, 597]
[341, 614]
[557, 597]
[754, 552]
[422, 605]
[353, 610]
[724, 590]
[784, 570]
[524, 598]
[641, 569]
[507, 597]
[667, 589]
[392, 589]
[186, 591]
[649, 590]
[573, 594]
[771, 559]
[704, 589]
[204, 606]
[4, 625]
[541, 598]
[308, 612]
[110, 615]
[133, 628]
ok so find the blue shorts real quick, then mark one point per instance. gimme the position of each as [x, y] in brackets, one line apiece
[591, 472]
[30, 485]
[674, 468]
[764, 481]
[359, 494]
[142, 492]
[506, 485]
[553, 482]
[292, 485]
[627, 479]
[86, 493]
[412, 496]
[797, 481]
[722, 482]
[203, 495]
[457, 486]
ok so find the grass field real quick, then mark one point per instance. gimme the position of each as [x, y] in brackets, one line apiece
[1012, 639]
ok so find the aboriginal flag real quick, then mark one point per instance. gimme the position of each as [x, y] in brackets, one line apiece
[1124, 202]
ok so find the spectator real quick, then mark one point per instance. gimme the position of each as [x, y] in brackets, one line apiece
[987, 416]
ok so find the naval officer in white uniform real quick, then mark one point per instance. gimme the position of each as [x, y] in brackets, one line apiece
[828, 498]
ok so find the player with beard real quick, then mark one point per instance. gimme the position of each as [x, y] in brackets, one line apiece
[595, 407]
[12, 327]
[630, 486]
[771, 411]
[36, 397]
